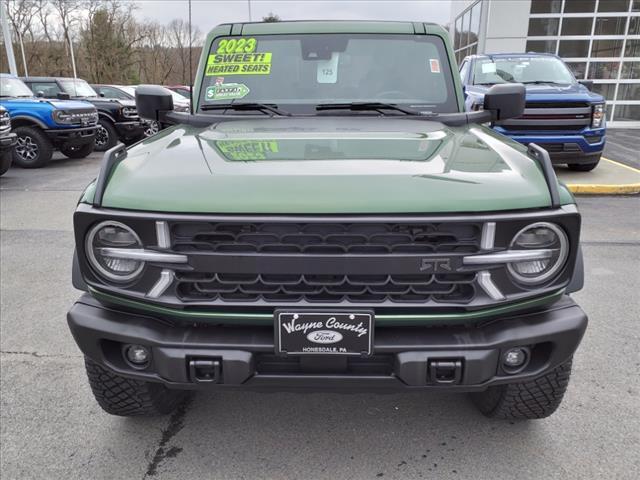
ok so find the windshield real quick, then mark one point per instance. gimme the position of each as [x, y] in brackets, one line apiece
[489, 71]
[13, 87]
[299, 72]
[78, 88]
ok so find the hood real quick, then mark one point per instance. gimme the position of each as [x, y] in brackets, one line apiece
[326, 165]
[550, 93]
[46, 103]
[110, 101]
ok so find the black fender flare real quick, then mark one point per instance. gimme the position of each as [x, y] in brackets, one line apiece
[577, 280]
[76, 275]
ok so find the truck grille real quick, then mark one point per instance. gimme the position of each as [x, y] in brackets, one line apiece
[5, 121]
[546, 116]
[311, 244]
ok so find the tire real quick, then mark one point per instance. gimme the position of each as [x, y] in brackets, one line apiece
[77, 151]
[33, 150]
[5, 161]
[583, 167]
[530, 400]
[125, 397]
[106, 135]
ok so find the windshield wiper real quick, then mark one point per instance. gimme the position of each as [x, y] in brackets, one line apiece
[361, 106]
[542, 82]
[260, 107]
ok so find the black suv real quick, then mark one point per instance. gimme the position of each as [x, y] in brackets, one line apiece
[118, 119]
[7, 140]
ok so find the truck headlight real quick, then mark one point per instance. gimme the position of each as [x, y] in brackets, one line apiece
[102, 245]
[129, 112]
[553, 246]
[598, 115]
[64, 117]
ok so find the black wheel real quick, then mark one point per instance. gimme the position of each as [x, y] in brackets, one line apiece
[77, 151]
[33, 150]
[536, 398]
[126, 397]
[106, 135]
[583, 167]
[5, 161]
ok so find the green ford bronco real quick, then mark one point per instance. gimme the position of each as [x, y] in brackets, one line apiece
[328, 218]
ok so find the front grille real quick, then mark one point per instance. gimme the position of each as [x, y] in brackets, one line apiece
[561, 147]
[549, 116]
[5, 121]
[314, 242]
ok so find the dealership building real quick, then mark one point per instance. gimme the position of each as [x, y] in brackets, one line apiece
[598, 39]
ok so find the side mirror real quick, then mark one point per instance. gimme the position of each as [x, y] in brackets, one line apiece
[153, 101]
[505, 101]
[63, 96]
[40, 94]
[586, 83]
[101, 94]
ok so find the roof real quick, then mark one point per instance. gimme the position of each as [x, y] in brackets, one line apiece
[514, 54]
[329, 26]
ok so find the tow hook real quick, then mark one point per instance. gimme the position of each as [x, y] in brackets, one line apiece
[205, 371]
[445, 372]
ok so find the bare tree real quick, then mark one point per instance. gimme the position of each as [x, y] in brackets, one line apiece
[272, 17]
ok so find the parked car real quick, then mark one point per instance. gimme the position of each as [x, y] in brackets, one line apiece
[118, 119]
[330, 218]
[44, 125]
[562, 115]
[122, 92]
[7, 140]
[183, 90]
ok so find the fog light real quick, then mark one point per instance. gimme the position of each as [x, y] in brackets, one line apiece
[515, 358]
[137, 354]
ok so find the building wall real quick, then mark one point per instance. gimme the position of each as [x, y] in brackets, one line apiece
[507, 23]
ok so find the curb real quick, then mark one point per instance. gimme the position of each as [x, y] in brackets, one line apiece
[606, 189]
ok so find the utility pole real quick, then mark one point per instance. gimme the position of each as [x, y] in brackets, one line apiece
[8, 44]
[249, 5]
[73, 58]
[24, 58]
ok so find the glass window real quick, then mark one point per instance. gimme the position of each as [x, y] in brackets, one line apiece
[630, 70]
[577, 26]
[632, 49]
[13, 87]
[458, 32]
[463, 72]
[604, 70]
[607, 90]
[546, 6]
[110, 92]
[613, 6]
[475, 23]
[48, 89]
[466, 25]
[541, 46]
[627, 112]
[579, 6]
[574, 48]
[634, 26]
[543, 27]
[300, 71]
[610, 25]
[606, 48]
[579, 69]
[628, 91]
[635, 6]
[78, 88]
[524, 69]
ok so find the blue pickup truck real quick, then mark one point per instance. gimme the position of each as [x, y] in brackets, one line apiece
[42, 125]
[561, 115]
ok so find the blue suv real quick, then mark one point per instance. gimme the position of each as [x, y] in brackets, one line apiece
[562, 115]
[42, 125]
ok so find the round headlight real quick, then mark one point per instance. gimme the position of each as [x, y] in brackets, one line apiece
[102, 244]
[554, 246]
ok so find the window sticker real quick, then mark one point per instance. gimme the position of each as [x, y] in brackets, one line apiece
[226, 91]
[247, 149]
[237, 45]
[328, 69]
[488, 67]
[434, 63]
[239, 64]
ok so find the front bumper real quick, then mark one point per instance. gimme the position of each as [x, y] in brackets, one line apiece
[72, 137]
[403, 359]
[8, 140]
[584, 146]
[130, 130]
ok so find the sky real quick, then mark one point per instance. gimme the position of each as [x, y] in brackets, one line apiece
[206, 14]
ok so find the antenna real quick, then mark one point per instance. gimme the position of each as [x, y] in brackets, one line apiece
[190, 65]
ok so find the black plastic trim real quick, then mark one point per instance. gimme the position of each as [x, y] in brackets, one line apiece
[542, 156]
[577, 280]
[110, 159]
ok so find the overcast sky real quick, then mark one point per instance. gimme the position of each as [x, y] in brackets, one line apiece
[206, 14]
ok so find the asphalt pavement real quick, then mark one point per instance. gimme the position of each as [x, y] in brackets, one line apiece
[51, 427]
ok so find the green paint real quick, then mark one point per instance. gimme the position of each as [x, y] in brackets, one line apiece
[249, 318]
[227, 91]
